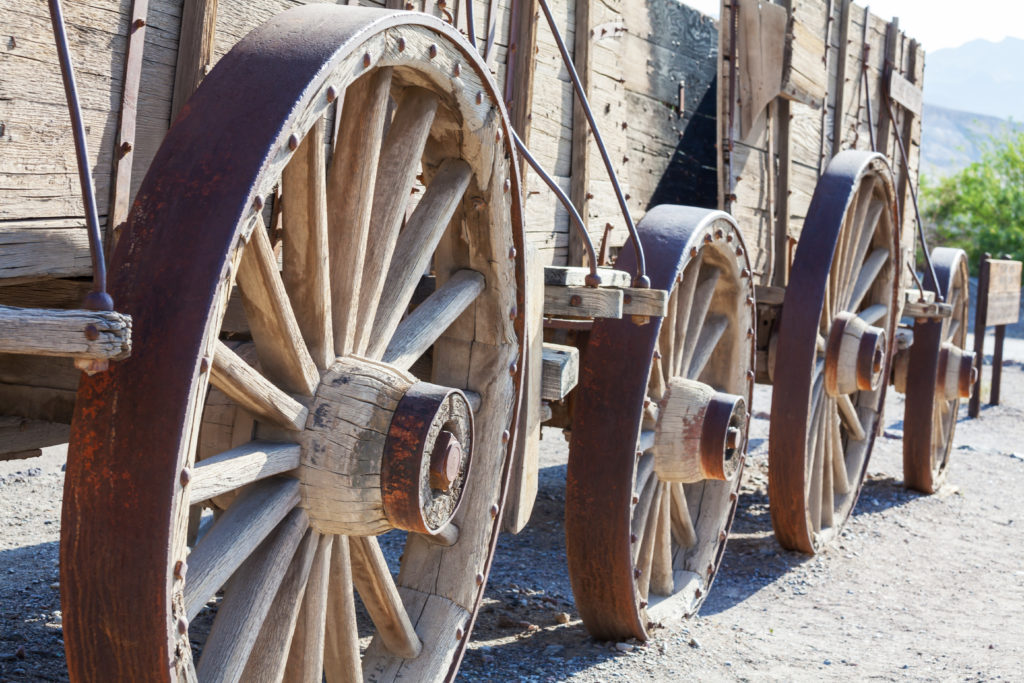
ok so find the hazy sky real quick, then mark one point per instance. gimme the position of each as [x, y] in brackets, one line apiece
[938, 23]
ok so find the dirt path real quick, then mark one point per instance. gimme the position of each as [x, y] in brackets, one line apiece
[919, 588]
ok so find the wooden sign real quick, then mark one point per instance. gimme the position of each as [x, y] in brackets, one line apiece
[1003, 292]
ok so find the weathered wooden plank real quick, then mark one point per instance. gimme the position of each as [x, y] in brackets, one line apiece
[644, 302]
[586, 302]
[1003, 292]
[195, 49]
[561, 365]
[577, 276]
[23, 438]
[98, 335]
[803, 71]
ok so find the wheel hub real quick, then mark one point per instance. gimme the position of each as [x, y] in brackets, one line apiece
[699, 434]
[854, 356]
[383, 451]
[956, 373]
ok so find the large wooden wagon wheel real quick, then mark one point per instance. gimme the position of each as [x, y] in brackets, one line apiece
[937, 374]
[831, 358]
[659, 432]
[347, 444]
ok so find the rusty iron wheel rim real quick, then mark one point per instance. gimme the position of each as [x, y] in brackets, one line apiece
[125, 514]
[854, 198]
[929, 423]
[609, 489]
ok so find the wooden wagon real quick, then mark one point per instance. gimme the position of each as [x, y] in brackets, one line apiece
[350, 307]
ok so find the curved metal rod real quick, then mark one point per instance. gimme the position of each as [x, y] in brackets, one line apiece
[641, 279]
[98, 299]
[593, 279]
[471, 27]
[913, 196]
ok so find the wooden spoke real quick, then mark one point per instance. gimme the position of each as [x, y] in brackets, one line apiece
[656, 383]
[817, 448]
[350, 184]
[662, 579]
[427, 323]
[414, 248]
[706, 343]
[645, 562]
[702, 296]
[874, 213]
[849, 414]
[685, 295]
[238, 532]
[306, 656]
[282, 352]
[666, 346]
[254, 392]
[682, 525]
[840, 477]
[270, 653]
[306, 271]
[376, 587]
[399, 163]
[872, 267]
[241, 466]
[245, 607]
[644, 486]
[341, 647]
[873, 313]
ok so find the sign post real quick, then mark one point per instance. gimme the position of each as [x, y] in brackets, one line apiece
[998, 305]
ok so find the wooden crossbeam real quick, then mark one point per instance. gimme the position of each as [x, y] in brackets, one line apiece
[87, 335]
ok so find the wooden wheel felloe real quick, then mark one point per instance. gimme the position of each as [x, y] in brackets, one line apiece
[832, 352]
[935, 373]
[346, 416]
[659, 431]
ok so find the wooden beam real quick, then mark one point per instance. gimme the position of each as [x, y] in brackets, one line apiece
[885, 124]
[86, 335]
[560, 372]
[648, 302]
[577, 276]
[195, 49]
[579, 181]
[120, 188]
[22, 438]
[839, 86]
[519, 77]
[583, 302]
[903, 91]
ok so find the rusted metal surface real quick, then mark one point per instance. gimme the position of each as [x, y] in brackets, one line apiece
[614, 373]
[98, 299]
[721, 436]
[432, 423]
[132, 425]
[926, 451]
[796, 359]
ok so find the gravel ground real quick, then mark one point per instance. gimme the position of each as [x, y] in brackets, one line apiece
[918, 588]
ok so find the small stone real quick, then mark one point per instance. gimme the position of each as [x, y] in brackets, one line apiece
[552, 650]
[562, 618]
[694, 643]
[55, 585]
[20, 652]
[828, 662]
[623, 647]
[487, 659]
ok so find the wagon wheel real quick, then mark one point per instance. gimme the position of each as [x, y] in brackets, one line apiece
[659, 430]
[831, 356]
[938, 374]
[347, 444]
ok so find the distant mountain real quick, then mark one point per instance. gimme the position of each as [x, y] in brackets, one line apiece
[979, 76]
[952, 139]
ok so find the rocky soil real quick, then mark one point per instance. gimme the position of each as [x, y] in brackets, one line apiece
[917, 588]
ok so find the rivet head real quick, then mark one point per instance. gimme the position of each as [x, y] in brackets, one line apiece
[186, 476]
[721, 537]
[693, 252]
[750, 374]
[92, 333]
[709, 239]
[258, 203]
[457, 69]
[739, 251]
[637, 572]
[367, 59]
[512, 252]
[643, 604]
[505, 436]
[458, 634]
[512, 313]
[513, 369]
[432, 51]
[479, 579]
[745, 273]
[182, 625]
[180, 570]
[507, 185]
[139, 23]
[293, 142]
[480, 97]
[401, 44]
[332, 94]
[750, 333]
[633, 538]
[728, 238]
[494, 510]
[575, 300]
[711, 568]
[497, 135]
[750, 301]
[636, 499]
[719, 234]
[204, 365]
[125, 147]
